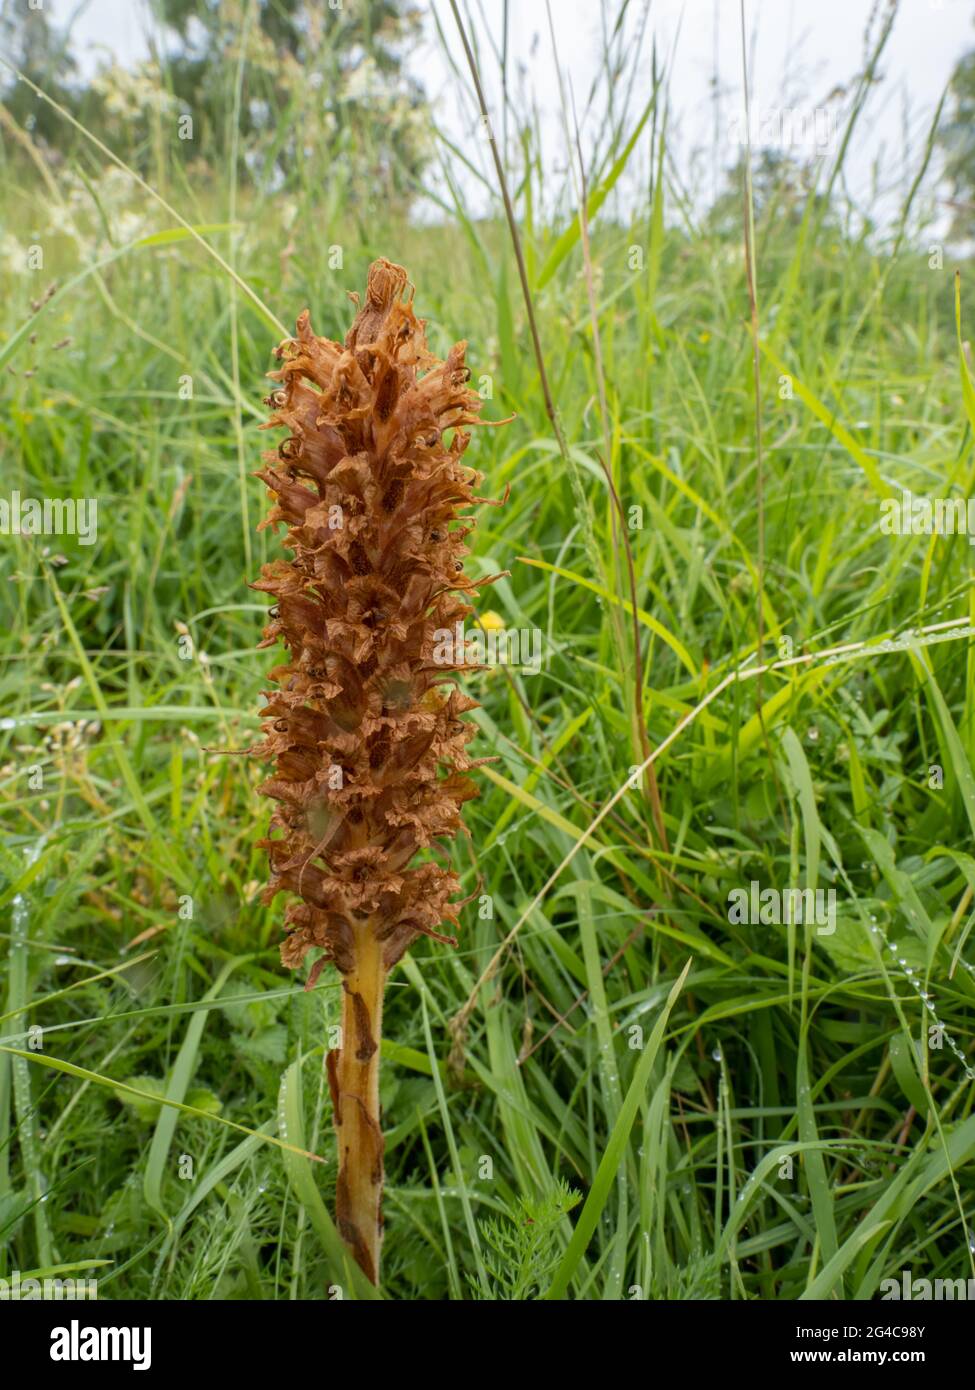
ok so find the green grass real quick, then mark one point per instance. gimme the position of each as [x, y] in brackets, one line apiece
[780, 1125]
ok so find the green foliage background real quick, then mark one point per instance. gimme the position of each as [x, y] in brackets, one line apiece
[791, 1126]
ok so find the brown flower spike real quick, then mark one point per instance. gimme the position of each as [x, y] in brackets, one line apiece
[364, 726]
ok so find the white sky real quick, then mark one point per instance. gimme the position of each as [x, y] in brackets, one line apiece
[803, 49]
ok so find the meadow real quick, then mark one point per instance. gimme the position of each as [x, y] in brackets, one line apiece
[612, 1088]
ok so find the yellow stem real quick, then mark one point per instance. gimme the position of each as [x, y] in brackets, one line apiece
[354, 1079]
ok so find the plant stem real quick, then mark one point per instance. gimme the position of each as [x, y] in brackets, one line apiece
[353, 1073]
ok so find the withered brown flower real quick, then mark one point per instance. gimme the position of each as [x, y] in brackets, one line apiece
[365, 724]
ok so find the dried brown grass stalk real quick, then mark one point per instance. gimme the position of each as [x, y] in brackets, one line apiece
[365, 726]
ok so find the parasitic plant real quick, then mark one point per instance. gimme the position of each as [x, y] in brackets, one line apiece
[365, 726]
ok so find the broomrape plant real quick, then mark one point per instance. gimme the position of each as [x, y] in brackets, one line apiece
[365, 726]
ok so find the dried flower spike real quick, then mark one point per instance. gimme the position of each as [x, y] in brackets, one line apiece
[364, 726]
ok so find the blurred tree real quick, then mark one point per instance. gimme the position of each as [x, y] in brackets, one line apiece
[322, 78]
[782, 185]
[29, 41]
[957, 139]
[325, 91]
